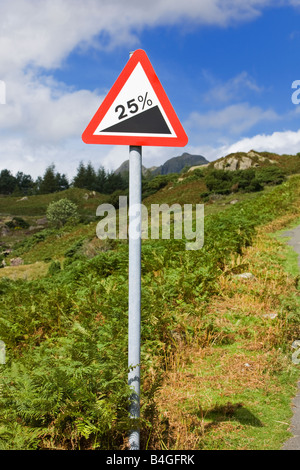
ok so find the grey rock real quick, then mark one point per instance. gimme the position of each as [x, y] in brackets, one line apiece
[16, 261]
[270, 315]
[42, 221]
[245, 276]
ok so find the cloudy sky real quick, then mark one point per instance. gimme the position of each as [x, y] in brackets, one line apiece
[227, 67]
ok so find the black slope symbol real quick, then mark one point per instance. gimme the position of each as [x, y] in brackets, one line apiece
[150, 121]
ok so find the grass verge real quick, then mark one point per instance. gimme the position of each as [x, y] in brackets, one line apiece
[27, 271]
[230, 386]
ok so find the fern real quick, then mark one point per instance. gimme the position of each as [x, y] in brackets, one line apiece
[64, 383]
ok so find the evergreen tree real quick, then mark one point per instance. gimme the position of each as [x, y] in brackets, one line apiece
[90, 177]
[37, 185]
[61, 182]
[24, 183]
[106, 183]
[86, 177]
[113, 183]
[100, 179]
[79, 179]
[49, 182]
[7, 182]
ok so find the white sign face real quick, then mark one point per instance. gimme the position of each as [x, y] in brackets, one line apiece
[136, 110]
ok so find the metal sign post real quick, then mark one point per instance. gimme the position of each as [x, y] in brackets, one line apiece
[134, 297]
[135, 112]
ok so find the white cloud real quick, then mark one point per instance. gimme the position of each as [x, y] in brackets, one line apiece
[287, 142]
[44, 33]
[19, 154]
[232, 119]
[44, 112]
[233, 89]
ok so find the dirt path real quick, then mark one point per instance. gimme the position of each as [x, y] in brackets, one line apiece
[294, 442]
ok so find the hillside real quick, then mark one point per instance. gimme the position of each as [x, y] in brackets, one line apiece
[87, 202]
[217, 188]
[215, 371]
[220, 340]
[198, 184]
[22, 217]
[230, 176]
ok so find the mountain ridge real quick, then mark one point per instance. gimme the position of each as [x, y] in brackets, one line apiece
[172, 165]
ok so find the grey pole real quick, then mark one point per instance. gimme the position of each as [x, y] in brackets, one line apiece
[134, 298]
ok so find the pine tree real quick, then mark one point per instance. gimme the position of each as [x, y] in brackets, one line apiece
[86, 177]
[100, 180]
[90, 177]
[61, 182]
[79, 179]
[7, 182]
[24, 183]
[37, 185]
[113, 183]
[49, 182]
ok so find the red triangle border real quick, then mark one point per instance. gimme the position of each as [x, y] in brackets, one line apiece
[181, 139]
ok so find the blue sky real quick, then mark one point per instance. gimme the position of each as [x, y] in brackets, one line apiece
[227, 67]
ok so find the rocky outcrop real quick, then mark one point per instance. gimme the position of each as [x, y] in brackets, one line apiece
[241, 161]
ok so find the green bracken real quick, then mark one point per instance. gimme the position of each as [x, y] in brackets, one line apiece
[64, 384]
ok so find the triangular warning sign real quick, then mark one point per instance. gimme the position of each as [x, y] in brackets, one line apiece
[136, 111]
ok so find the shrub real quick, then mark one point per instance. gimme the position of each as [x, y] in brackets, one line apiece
[17, 223]
[157, 183]
[114, 198]
[270, 175]
[54, 268]
[219, 181]
[62, 211]
[73, 250]
[225, 181]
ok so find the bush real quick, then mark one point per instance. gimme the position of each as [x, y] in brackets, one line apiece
[270, 175]
[73, 250]
[114, 198]
[157, 183]
[225, 181]
[17, 223]
[54, 268]
[62, 211]
[219, 181]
